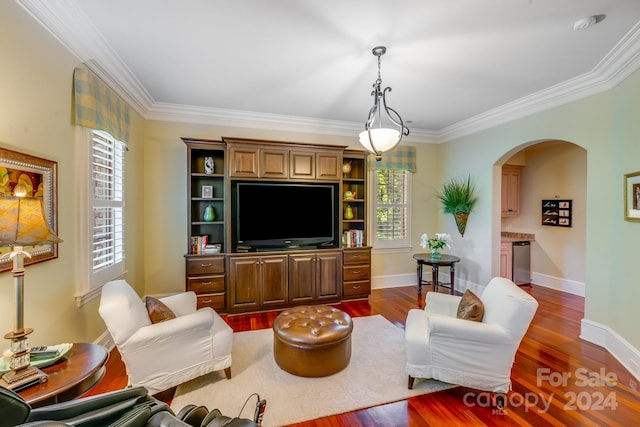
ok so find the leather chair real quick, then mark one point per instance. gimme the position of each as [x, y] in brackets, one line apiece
[127, 408]
[474, 354]
[132, 407]
[159, 356]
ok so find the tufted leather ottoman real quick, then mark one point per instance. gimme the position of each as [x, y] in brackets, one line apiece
[312, 341]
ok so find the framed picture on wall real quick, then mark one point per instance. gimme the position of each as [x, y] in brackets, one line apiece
[39, 177]
[556, 213]
[632, 196]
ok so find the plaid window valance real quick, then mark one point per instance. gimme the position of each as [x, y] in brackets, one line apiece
[400, 158]
[97, 106]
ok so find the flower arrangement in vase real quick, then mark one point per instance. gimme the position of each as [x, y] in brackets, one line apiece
[436, 244]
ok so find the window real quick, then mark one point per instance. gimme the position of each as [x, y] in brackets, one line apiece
[102, 213]
[391, 212]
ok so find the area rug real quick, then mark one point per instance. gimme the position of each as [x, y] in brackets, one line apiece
[375, 375]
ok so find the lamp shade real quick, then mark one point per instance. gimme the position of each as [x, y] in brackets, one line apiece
[384, 139]
[22, 222]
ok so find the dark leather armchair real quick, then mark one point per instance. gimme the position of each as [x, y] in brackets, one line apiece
[132, 407]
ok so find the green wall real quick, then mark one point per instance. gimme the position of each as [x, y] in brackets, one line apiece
[606, 126]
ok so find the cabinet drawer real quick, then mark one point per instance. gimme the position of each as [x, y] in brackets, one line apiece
[202, 265]
[215, 301]
[357, 288]
[357, 272]
[358, 256]
[205, 284]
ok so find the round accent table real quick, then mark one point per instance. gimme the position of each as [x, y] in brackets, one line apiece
[312, 341]
[445, 261]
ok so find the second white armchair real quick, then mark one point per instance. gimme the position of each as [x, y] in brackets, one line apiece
[474, 354]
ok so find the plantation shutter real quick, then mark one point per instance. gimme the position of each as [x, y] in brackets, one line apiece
[392, 204]
[108, 201]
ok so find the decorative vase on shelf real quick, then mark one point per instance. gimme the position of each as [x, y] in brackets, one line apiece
[348, 212]
[346, 167]
[209, 166]
[209, 214]
[435, 253]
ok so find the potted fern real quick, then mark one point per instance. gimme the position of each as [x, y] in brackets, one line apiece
[458, 198]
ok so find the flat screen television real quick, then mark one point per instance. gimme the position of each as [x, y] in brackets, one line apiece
[273, 215]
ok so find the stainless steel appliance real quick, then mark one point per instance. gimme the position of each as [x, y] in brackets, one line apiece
[521, 257]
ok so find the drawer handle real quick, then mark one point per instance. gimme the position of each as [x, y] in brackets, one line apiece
[206, 301]
[356, 271]
[205, 265]
[355, 256]
[356, 287]
[206, 283]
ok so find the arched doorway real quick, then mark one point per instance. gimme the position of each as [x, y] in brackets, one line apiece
[551, 169]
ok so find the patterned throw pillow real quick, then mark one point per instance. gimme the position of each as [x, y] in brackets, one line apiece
[158, 311]
[470, 307]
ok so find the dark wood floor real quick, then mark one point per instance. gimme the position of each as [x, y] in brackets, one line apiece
[598, 390]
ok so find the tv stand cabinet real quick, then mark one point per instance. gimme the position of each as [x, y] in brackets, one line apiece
[239, 281]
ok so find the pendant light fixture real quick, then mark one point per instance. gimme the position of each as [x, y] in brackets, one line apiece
[379, 137]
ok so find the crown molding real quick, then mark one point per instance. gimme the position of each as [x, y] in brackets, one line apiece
[70, 25]
[253, 120]
[616, 66]
[77, 33]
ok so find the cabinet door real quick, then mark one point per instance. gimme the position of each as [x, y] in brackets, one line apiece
[511, 181]
[301, 278]
[328, 275]
[506, 256]
[274, 163]
[329, 166]
[274, 280]
[244, 162]
[303, 164]
[244, 276]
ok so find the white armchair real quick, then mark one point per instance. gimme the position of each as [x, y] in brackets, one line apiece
[478, 355]
[162, 355]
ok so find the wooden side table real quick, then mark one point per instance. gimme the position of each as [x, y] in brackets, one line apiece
[435, 263]
[70, 377]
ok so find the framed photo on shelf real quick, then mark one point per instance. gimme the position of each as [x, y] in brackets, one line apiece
[207, 192]
[632, 197]
[40, 178]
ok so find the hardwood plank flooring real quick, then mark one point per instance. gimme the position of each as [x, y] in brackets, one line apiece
[558, 379]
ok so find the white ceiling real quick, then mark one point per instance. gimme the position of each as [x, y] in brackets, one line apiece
[454, 65]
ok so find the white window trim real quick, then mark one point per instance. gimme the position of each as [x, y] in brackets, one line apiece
[88, 284]
[386, 246]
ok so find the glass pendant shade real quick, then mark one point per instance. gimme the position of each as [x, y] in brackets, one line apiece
[384, 139]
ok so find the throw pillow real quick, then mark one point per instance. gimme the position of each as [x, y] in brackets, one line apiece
[158, 311]
[470, 307]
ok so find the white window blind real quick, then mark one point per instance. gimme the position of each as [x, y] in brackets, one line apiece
[391, 221]
[107, 177]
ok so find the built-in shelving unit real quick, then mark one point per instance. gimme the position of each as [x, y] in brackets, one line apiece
[205, 273]
[234, 280]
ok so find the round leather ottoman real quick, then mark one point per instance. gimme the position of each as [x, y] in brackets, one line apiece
[312, 341]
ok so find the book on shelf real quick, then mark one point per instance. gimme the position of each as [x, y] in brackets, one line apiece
[353, 238]
[198, 244]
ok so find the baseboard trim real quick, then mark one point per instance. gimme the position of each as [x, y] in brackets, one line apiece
[610, 340]
[401, 280]
[559, 284]
[106, 341]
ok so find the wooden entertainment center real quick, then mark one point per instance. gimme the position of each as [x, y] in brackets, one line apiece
[234, 279]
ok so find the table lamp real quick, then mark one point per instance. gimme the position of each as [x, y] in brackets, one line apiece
[22, 223]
